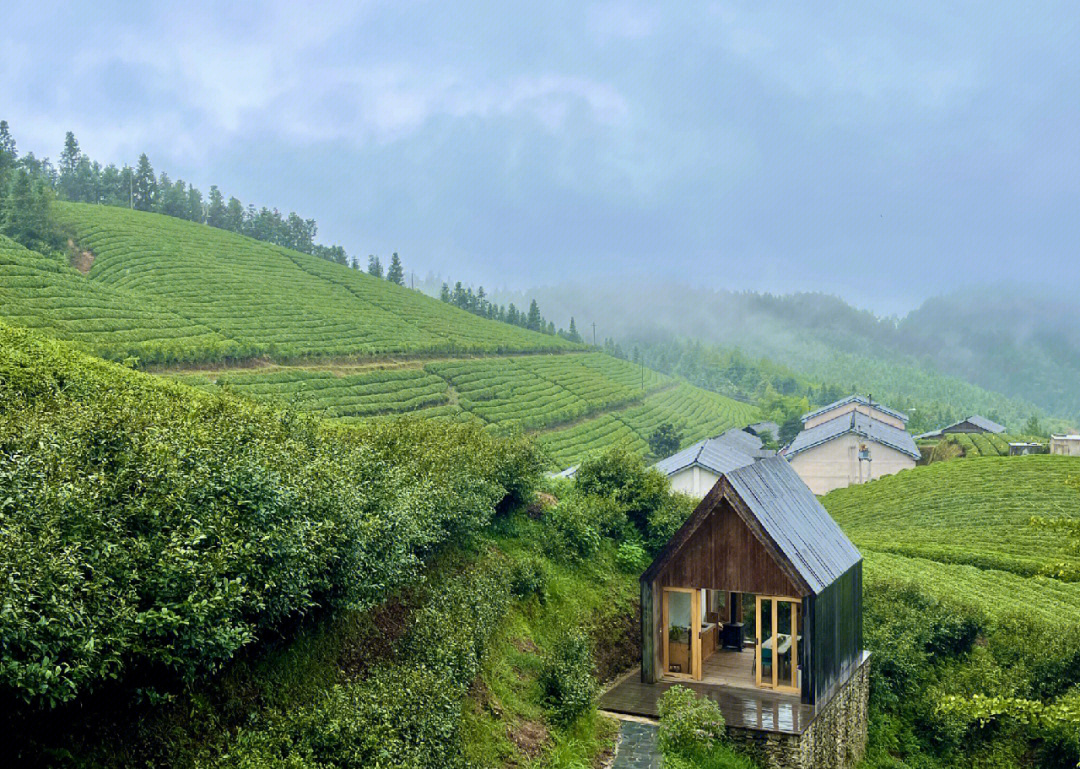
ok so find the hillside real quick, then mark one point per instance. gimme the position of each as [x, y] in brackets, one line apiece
[265, 300]
[991, 352]
[975, 654]
[574, 403]
[973, 512]
[216, 309]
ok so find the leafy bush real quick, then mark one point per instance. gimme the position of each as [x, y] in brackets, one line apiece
[403, 715]
[621, 475]
[567, 677]
[689, 725]
[145, 525]
[573, 532]
[529, 578]
[667, 519]
[692, 733]
[630, 557]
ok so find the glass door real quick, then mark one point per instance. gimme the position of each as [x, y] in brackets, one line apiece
[682, 632]
[778, 636]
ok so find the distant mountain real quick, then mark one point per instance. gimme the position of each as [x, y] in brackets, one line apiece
[989, 350]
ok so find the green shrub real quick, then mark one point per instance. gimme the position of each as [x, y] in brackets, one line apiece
[573, 532]
[567, 678]
[621, 475]
[665, 520]
[630, 557]
[529, 578]
[690, 726]
[144, 524]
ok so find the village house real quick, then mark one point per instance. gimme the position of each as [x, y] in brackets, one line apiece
[756, 603]
[695, 469]
[1069, 445]
[971, 424]
[853, 440]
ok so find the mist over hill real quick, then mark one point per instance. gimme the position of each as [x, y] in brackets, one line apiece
[1016, 342]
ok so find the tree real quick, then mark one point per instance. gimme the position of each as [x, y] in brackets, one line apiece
[234, 216]
[374, 266]
[445, 293]
[216, 213]
[27, 215]
[665, 440]
[69, 165]
[145, 194]
[573, 334]
[1033, 426]
[791, 427]
[195, 211]
[395, 274]
[533, 321]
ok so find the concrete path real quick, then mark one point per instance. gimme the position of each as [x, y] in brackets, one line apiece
[637, 747]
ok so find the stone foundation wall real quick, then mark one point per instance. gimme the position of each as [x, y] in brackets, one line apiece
[836, 739]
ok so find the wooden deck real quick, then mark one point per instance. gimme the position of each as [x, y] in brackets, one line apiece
[725, 667]
[742, 707]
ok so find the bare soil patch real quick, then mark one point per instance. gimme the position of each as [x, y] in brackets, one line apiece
[81, 259]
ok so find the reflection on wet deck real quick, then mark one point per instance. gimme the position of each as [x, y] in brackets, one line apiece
[745, 708]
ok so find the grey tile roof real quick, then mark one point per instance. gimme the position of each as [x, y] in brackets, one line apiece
[860, 424]
[984, 424]
[860, 399]
[759, 427]
[720, 454]
[796, 521]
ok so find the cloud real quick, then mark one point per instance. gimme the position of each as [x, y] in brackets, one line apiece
[612, 21]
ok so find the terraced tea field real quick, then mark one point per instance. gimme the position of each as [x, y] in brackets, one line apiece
[43, 293]
[975, 513]
[984, 444]
[236, 297]
[576, 403]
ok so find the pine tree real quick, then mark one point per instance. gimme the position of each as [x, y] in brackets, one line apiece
[395, 274]
[573, 335]
[234, 216]
[145, 194]
[195, 211]
[374, 266]
[215, 212]
[445, 293]
[534, 322]
[69, 166]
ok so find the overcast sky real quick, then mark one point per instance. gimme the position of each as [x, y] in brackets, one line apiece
[881, 154]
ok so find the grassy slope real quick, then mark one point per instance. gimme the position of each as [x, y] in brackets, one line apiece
[169, 292]
[575, 403]
[974, 513]
[269, 300]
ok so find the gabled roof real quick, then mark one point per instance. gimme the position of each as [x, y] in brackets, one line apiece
[854, 422]
[720, 454]
[764, 427]
[862, 401]
[984, 424]
[771, 497]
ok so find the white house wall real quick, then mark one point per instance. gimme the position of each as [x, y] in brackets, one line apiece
[835, 464]
[695, 481]
[847, 408]
[1067, 445]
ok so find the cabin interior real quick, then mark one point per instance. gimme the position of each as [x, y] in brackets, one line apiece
[738, 639]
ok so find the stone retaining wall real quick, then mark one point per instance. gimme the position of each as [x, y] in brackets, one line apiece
[836, 739]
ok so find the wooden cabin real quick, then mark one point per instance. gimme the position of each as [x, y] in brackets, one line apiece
[759, 589]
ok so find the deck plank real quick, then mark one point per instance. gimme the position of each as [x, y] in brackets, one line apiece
[741, 707]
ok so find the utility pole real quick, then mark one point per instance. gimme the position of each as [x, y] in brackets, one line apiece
[131, 189]
[594, 334]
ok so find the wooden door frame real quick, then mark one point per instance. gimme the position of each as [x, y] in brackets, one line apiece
[774, 684]
[695, 633]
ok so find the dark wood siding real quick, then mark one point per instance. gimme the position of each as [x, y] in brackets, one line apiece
[833, 620]
[724, 554]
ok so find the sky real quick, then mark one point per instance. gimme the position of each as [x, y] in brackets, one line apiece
[882, 152]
